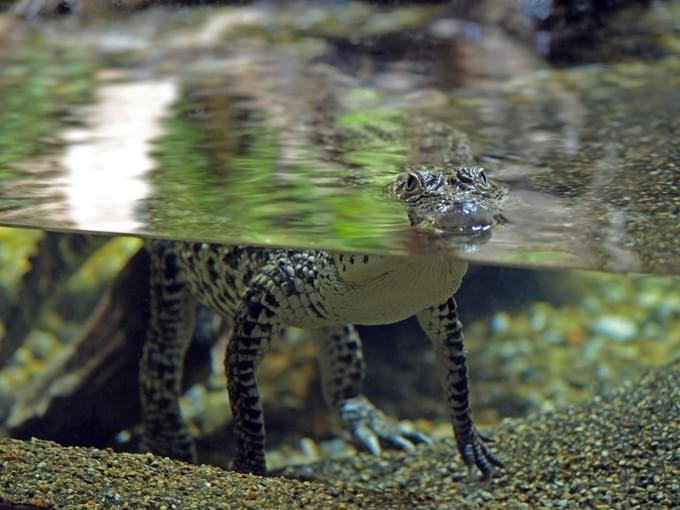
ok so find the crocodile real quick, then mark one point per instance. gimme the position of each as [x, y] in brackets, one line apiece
[262, 290]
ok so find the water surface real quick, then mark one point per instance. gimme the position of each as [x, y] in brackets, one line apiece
[282, 127]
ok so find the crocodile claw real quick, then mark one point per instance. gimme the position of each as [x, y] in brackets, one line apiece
[370, 427]
[476, 453]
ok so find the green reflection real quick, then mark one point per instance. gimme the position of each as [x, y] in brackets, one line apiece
[38, 86]
[231, 176]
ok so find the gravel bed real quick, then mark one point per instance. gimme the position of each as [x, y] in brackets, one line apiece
[46, 475]
[620, 451]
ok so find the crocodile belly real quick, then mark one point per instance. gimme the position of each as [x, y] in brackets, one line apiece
[401, 292]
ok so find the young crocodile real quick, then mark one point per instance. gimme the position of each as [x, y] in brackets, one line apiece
[262, 290]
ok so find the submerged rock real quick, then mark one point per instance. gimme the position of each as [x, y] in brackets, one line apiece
[621, 329]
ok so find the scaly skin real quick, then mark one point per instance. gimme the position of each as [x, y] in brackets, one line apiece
[262, 290]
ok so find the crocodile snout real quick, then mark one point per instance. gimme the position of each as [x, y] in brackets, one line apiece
[465, 217]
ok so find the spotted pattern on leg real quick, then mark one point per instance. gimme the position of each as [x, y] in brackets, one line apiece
[169, 332]
[256, 323]
[445, 330]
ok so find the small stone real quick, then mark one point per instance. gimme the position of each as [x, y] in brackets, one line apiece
[616, 327]
[485, 495]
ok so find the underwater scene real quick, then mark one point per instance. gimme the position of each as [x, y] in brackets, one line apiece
[330, 254]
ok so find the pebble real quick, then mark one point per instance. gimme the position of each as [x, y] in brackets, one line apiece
[616, 328]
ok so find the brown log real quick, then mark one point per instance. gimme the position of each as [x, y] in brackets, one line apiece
[91, 392]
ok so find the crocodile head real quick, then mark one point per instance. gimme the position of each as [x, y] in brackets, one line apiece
[454, 200]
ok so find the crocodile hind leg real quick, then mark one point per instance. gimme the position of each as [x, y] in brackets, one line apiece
[171, 323]
[342, 368]
[446, 333]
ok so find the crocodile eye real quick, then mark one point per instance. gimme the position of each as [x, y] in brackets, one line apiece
[411, 183]
[483, 178]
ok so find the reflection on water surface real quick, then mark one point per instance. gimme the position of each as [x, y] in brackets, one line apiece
[264, 126]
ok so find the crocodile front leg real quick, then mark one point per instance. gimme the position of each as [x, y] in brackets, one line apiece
[342, 370]
[446, 333]
[170, 326]
[257, 320]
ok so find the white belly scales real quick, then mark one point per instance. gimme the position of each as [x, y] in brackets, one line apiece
[390, 289]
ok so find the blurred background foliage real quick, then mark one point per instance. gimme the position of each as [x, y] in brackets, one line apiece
[64, 323]
[39, 85]
[271, 197]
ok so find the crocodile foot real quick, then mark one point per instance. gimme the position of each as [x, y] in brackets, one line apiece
[370, 427]
[475, 453]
